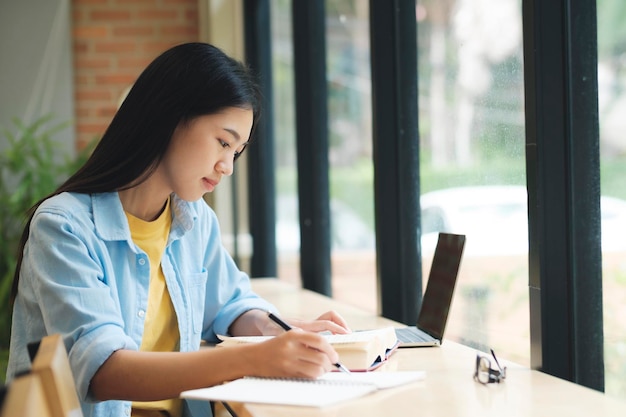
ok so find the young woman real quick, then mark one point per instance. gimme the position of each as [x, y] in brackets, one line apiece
[125, 261]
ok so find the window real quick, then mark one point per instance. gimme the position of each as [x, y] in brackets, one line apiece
[612, 106]
[350, 147]
[472, 134]
[472, 138]
[472, 166]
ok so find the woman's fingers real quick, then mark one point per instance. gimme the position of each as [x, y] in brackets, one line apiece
[295, 354]
[331, 321]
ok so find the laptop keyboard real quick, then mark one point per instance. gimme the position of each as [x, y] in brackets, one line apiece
[412, 334]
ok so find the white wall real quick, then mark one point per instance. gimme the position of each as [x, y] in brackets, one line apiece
[36, 63]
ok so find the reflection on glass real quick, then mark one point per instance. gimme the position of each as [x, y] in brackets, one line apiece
[350, 153]
[472, 163]
[612, 107]
[287, 226]
[472, 140]
[472, 169]
[350, 150]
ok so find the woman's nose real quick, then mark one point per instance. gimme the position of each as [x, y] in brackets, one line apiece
[225, 167]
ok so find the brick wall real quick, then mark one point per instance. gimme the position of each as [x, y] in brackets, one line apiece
[113, 41]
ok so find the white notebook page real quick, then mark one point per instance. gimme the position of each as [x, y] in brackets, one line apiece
[329, 389]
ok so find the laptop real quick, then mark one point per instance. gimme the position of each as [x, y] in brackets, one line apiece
[432, 318]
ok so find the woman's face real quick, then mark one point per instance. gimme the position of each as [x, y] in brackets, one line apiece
[203, 151]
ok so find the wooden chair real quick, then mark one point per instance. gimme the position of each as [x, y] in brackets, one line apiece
[25, 398]
[48, 389]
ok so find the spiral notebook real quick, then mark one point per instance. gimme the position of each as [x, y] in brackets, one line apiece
[329, 389]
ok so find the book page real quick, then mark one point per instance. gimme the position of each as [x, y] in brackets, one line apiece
[363, 336]
[228, 340]
[358, 351]
[386, 335]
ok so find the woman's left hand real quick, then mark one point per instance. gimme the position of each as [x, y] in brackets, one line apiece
[330, 321]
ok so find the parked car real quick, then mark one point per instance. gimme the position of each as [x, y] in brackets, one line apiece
[495, 219]
[613, 224]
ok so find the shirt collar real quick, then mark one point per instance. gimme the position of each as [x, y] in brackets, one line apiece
[111, 224]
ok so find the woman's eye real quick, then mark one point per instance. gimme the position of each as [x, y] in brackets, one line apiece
[224, 144]
[238, 153]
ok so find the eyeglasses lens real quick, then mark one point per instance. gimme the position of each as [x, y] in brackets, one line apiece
[483, 368]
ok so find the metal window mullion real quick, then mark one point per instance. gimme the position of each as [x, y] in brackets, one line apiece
[393, 32]
[562, 154]
[309, 43]
[260, 155]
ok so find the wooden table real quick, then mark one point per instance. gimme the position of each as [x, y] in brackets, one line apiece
[447, 390]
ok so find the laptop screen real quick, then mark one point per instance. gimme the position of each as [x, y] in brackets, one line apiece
[441, 282]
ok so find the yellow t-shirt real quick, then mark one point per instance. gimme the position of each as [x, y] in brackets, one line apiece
[160, 326]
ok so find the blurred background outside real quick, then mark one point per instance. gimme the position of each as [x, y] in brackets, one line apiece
[472, 146]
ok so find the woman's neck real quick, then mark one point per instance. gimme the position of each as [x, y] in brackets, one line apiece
[143, 201]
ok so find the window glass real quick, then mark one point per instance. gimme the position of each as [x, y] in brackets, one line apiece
[612, 107]
[353, 259]
[472, 140]
[350, 145]
[287, 223]
[472, 171]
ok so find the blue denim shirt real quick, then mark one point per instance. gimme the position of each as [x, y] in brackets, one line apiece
[83, 277]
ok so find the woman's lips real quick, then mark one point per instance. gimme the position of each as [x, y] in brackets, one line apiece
[209, 184]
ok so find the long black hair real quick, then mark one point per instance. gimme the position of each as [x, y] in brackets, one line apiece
[186, 81]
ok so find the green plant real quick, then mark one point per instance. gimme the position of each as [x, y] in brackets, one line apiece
[32, 165]
[4, 359]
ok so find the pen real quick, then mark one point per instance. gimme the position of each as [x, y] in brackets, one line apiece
[287, 327]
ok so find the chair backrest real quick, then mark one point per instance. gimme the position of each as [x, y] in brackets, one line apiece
[25, 398]
[48, 390]
[53, 367]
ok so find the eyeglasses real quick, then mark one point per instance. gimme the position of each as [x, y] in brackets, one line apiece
[485, 374]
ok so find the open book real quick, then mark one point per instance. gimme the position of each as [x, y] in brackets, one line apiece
[329, 389]
[358, 351]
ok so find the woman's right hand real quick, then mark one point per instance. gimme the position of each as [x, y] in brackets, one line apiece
[150, 376]
[293, 354]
